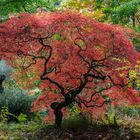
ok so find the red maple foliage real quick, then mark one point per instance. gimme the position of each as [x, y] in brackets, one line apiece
[78, 59]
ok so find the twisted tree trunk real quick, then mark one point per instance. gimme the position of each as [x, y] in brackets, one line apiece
[57, 107]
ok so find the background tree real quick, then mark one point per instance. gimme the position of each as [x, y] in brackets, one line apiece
[11, 7]
[78, 59]
[123, 12]
[91, 8]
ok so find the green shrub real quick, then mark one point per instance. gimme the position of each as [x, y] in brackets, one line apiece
[17, 101]
[79, 122]
[130, 111]
[5, 116]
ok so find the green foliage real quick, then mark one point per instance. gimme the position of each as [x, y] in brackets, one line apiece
[14, 7]
[137, 29]
[22, 117]
[5, 69]
[130, 111]
[20, 131]
[38, 117]
[17, 101]
[38, 83]
[5, 116]
[111, 114]
[35, 130]
[57, 36]
[136, 42]
[74, 110]
[122, 11]
[92, 8]
[76, 123]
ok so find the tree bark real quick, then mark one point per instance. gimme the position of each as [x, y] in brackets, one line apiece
[2, 78]
[57, 107]
[134, 20]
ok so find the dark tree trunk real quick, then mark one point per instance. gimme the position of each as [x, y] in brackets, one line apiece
[57, 107]
[134, 20]
[58, 114]
[2, 78]
[58, 118]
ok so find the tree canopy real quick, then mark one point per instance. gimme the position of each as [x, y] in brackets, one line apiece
[78, 59]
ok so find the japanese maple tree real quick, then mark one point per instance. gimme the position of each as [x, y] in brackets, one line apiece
[77, 58]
